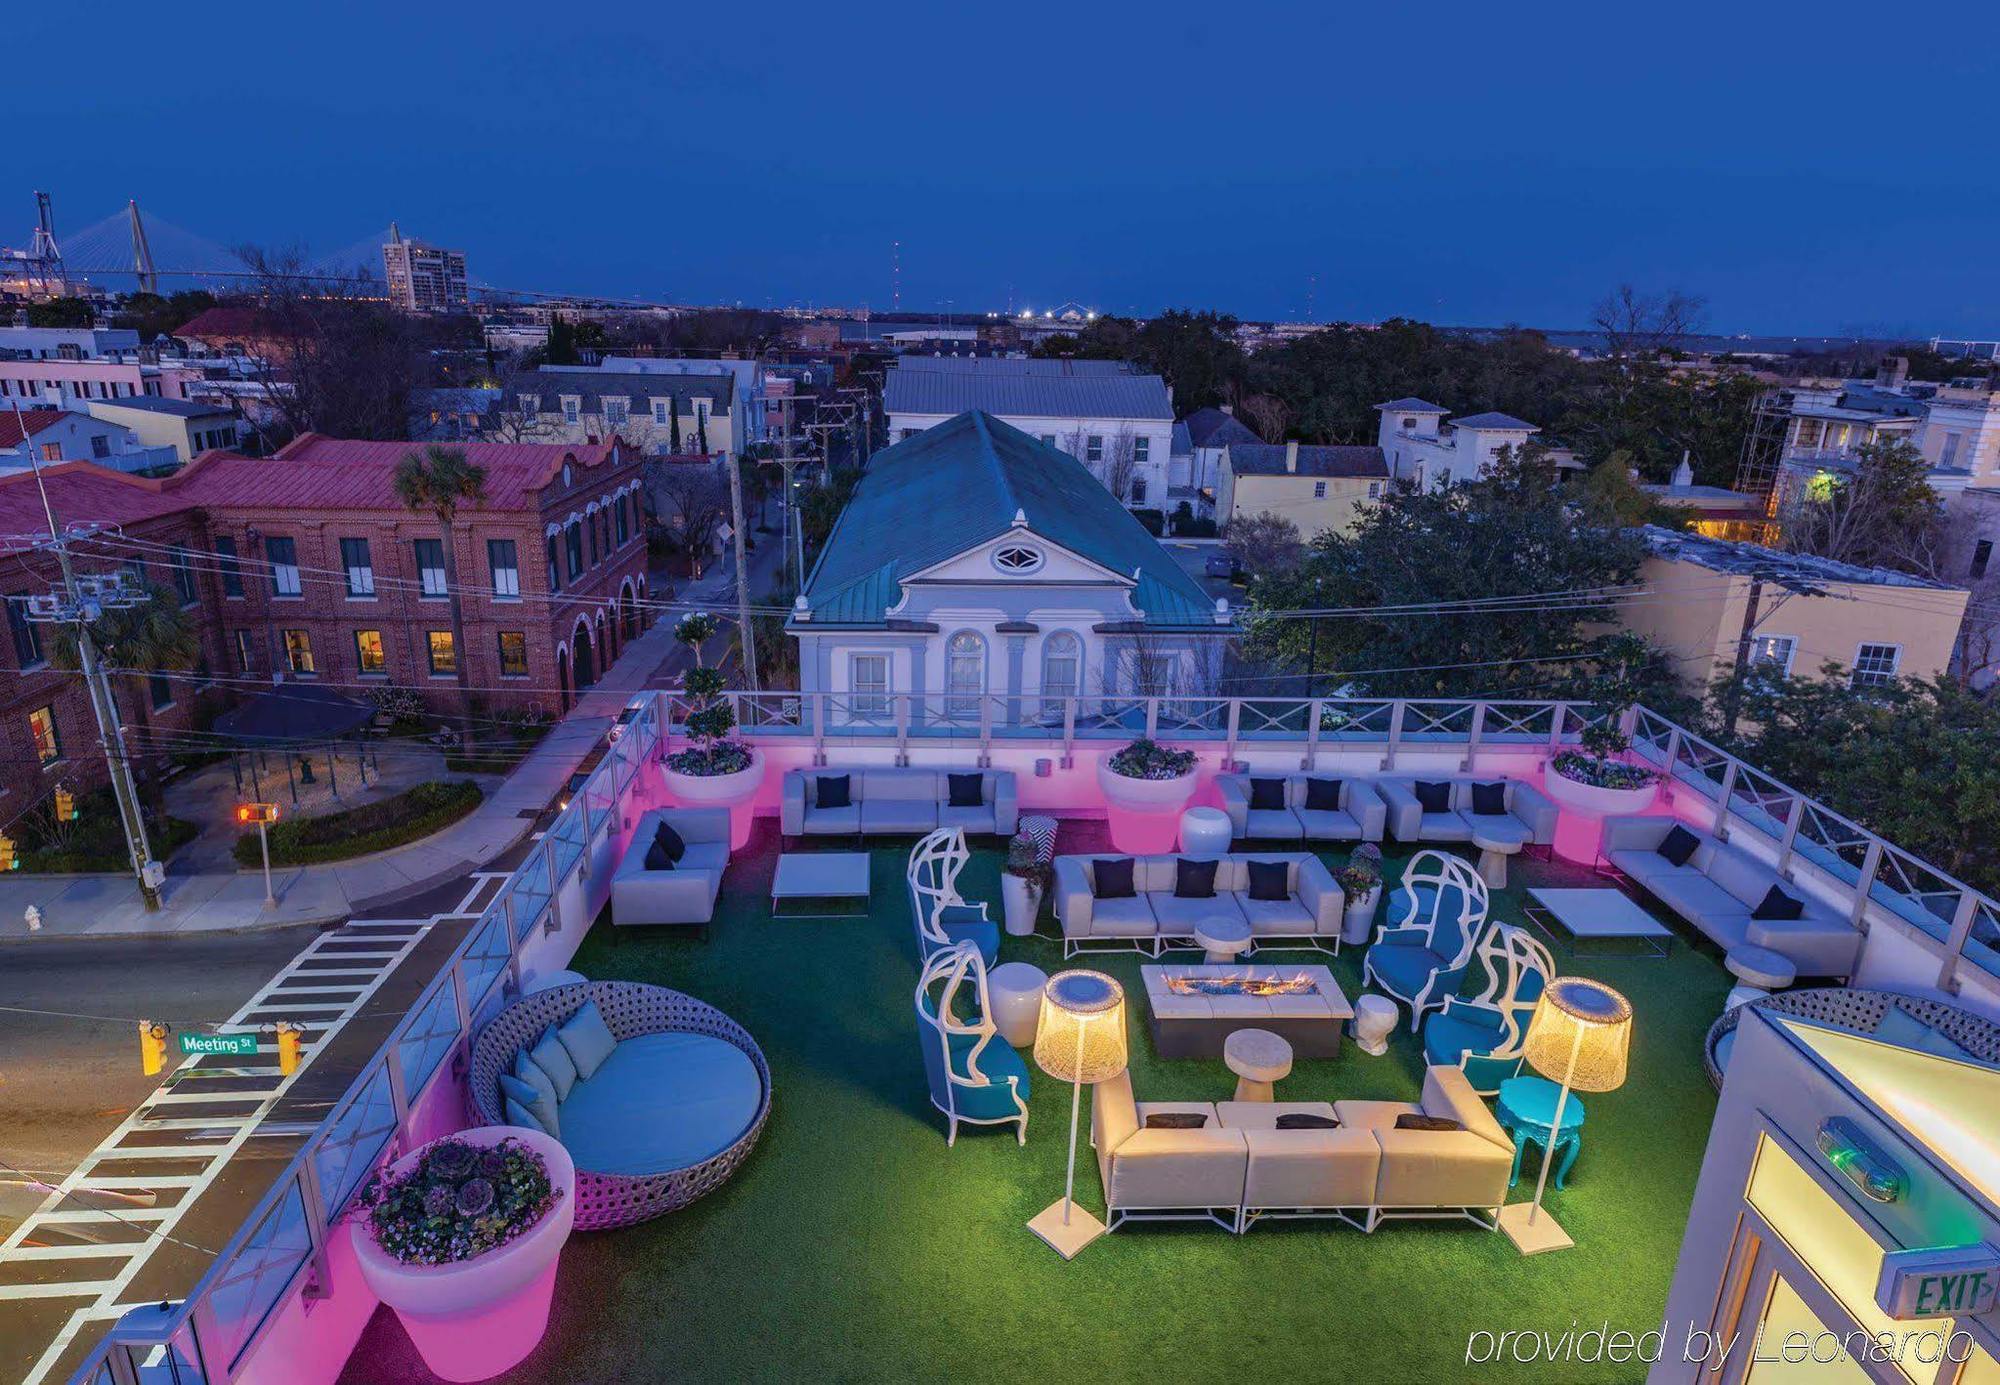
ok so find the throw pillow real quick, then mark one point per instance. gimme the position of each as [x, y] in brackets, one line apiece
[1905, 1030]
[1414, 1121]
[964, 789]
[1113, 877]
[515, 1092]
[657, 858]
[1776, 904]
[1176, 1120]
[1432, 797]
[1678, 845]
[517, 1114]
[670, 840]
[1269, 880]
[552, 1058]
[1194, 879]
[537, 1080]
[1323, 795]
[1306, 1120]
[587, 1039]
[1267, 795]
[832, 791]
[1489, 800]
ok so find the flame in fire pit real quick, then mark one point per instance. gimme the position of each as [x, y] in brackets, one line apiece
[1300, 984]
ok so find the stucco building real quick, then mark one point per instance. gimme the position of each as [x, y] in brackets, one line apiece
[1316, 488]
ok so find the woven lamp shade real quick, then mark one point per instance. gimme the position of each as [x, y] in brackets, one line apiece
[1585, 1018]
[1082, 1034]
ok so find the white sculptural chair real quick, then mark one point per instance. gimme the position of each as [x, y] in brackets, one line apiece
[942, 917]
[972, 1079]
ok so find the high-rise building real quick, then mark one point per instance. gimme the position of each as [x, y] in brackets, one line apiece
[423, 278]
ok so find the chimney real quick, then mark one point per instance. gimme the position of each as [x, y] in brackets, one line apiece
[1292, 458]
[1893, 371]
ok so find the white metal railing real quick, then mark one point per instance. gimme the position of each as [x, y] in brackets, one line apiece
[281, 1245]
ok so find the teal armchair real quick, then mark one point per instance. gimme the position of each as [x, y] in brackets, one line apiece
[1483, 1036]
[1435, 918]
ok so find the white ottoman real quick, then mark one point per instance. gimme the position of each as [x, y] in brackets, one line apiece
[1014, 990]
[1374, 1020]
[1205, 832]
[1223, 937]
[1258, 1058]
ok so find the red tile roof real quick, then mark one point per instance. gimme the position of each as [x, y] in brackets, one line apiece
[314, 472]
[227, 321]
[78, 492]
[14, 427]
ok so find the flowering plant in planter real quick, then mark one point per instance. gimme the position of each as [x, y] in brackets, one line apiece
[1024, 861]
[1147, 759]
[1600, 772]
[1363, 871]
[709, 722]
[458, 1201]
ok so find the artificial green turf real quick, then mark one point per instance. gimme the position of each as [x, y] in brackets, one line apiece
[854, 1245]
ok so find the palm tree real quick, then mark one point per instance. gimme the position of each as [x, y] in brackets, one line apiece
[136, 642]
[438, 479]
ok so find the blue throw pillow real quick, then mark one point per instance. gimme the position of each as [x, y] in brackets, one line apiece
[526, 1071]
[542, 1108]
[588, 1040]
[517, 1114]
[552, 1058]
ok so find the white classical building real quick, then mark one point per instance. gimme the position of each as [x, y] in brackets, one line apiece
[1425, 450]
[1109, 415]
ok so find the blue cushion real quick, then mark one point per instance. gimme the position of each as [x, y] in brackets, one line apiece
[661, 1102]
[981, 934]
[1404, 970]
[1459, 1031]
[553, 1059]
[525, 1070]
[997, 1062]
[587, 1040]
[539, 1102]
[517, 1114]
[1905, 1030]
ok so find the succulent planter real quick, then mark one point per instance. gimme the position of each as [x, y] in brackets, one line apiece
[1357, 922]
[1022, 899]
[473, 1319]
[1144, 813]
[736, 792]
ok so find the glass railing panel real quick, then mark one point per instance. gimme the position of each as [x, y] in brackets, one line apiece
[1277, 718]
[433, 1030]
[254, 1282]
[353, 1138]
[1356, 719]
[1916, 893]
[486, 954]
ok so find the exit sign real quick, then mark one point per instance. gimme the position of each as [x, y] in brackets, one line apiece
[1944, 1282]
[207, 1045]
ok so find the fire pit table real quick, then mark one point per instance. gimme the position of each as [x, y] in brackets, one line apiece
[1192, 1010]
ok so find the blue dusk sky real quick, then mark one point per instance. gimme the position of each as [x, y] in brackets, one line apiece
[1805, 168]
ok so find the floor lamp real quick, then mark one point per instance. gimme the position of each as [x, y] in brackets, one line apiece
[1081, 1038]
[1579, 1037]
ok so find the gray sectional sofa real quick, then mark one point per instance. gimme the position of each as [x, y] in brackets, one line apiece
[884, 801]
[1360, 818]
[1719, 888]
[685, 894]
[1155, 914]
[1531, 810]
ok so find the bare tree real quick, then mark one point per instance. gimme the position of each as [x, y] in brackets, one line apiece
[1269, 415]
[513, 420]
[694, 503]
[1639, 326]
[1263, 543]
[1881, 512]
[1116, 461]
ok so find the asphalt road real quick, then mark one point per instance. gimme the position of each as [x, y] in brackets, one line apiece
[66, 1083]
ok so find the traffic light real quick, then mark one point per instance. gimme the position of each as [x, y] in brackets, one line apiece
[251, 813]
[289, 1035]
[152, 1046]
[65, 805]
[9, 860]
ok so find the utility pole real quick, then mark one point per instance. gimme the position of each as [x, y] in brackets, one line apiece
[746, 636]
[78, 603]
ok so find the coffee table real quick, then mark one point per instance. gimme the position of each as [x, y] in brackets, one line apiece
[1198, 1025]
[1595, 914]
[820, 875]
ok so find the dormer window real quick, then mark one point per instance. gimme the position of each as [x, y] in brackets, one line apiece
[1017, 558]
[616, 411]
[572, 408]
[531, 403]
[567, 476]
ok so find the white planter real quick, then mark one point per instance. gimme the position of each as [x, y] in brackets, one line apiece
[479, 1317]
[1144, 814]
[1593, 801]
[1023, 902]
[1357, 924]
[735, 792]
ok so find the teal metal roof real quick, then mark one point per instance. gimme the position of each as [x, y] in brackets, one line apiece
[960, 484]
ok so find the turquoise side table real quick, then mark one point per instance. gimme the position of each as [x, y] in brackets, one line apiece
[1526, 1107]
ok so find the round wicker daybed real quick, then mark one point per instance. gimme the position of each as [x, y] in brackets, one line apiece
[655, 1129]
[1861, 1011]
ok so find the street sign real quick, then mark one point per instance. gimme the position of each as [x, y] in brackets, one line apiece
[209, 1045]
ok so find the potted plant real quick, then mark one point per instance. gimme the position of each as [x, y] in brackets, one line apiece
[1145, 785]
[461, 1237]
[1022, 885]
[1360, 880]
[715, 771]
[1596, 779]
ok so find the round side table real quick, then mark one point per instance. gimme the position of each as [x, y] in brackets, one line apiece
[1525, 1108]
[1760, 967]
[1014, 990]
[1374, 1021]
[1223, 938]
[1258, 1058]
[1205, 832]
[1496, 840]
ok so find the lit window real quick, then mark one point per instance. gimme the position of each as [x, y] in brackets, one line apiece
[444, 655]
[505, 566]
[1875, 665]
[1015, 558]
[360, 567]
[42, 728]
[513, 654]
[964, 675]
[283, 556]
[368, 655]
[871, 685]
[1773, 653]
[299, 652]
[430, 567]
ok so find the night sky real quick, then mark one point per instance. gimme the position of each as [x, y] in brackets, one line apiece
[1819, 168]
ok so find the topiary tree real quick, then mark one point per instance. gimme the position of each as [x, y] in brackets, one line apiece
[696, 629]
[710, 719]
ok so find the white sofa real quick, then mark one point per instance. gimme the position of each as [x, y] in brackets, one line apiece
[1361, 816]
[885, 801]
[685, 894]
[1310, 914]
[1531, 814]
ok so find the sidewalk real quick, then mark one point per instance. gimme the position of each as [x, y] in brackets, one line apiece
[108, 906]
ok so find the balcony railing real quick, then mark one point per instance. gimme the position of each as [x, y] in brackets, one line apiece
[281, 1247]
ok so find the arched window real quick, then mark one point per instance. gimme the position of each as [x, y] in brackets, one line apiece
[1062, 671]
[573, 541]
[555, 578]
[964, 675]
